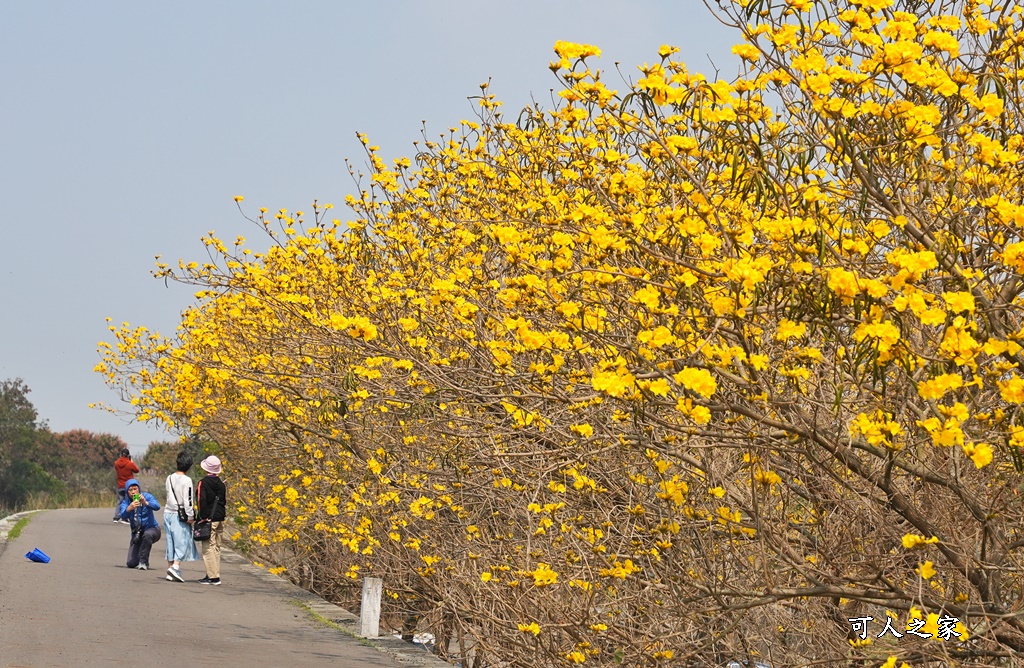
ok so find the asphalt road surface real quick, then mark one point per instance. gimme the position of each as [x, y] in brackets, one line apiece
[85, 608]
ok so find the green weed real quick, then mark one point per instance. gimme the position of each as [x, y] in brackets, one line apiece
[18, 526]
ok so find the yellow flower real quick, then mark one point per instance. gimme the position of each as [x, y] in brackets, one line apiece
[584, 430]
[616, 383]
[767, 477]
[980, 453]
[843, 283]
[1012, 389]
[620, 569]
[673, 490]
[936, 388]
[747, 52]
[698, 380]
[543, 576]
[680, 144]
[959, 301]
[915, 263]
[942, 41]
[659, 387]
[758, 362]
[992, 105]
[572, 51]
[785, 36]
[697, 413]
[532, 627]
[656, 338]
[891, 663]
[911, 541]
[648, 296]
[885, 334]
[958, 344]
[926, 570]
[788, 329]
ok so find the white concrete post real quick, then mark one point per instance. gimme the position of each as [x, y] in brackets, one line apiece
[369, 611]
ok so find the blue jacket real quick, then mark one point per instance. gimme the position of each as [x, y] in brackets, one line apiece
[143, 515]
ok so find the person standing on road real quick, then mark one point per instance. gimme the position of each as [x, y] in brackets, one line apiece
[125, 468]
[137, 508]
[179, 514]
[212, 507]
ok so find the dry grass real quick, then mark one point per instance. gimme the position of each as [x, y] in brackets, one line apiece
[71, 499]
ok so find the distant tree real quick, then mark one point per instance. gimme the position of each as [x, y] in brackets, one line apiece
[20, 434]
[161, 456]
[84, 448]
[81, 458]
[17, 420]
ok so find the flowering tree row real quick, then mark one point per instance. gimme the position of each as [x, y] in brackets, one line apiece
[684, 372]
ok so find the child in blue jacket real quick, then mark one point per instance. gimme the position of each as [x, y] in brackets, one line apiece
[137, 508]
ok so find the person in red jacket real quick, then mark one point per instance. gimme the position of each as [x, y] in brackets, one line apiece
[125, 469]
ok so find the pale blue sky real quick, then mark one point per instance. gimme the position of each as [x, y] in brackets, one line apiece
[127, 127]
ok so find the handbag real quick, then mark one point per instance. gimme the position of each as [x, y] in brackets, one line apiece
[182, 513]
[201, 530]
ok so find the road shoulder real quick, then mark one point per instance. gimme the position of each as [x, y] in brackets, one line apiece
[8, 523]
[341, 619]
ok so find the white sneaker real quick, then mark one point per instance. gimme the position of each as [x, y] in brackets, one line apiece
[169, 578]
[142, 567]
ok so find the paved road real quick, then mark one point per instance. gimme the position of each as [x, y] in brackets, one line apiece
[85, 608]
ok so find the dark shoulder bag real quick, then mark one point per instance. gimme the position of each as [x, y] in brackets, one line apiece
[201, 530]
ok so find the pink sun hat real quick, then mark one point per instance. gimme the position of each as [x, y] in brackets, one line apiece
[211, 464]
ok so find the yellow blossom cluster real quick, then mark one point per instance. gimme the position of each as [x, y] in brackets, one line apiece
[678, 370]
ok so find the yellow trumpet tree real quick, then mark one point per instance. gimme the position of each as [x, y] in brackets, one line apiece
[687, 372]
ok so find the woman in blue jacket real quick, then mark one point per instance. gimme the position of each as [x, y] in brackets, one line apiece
[137, 508]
